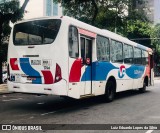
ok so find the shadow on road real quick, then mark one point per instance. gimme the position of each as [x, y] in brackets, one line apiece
[61, 105]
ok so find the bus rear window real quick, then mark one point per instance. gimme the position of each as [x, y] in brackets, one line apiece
[36, 32]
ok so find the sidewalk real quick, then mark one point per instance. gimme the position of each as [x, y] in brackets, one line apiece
[157, 78]
[4, 89]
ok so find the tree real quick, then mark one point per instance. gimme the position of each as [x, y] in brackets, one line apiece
[106, 14]
[84, 10]
[9, 11]
[155, 35]
[139, 32]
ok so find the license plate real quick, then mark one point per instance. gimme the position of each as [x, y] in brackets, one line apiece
[31, 78]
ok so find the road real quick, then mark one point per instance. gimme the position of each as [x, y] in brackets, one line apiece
[129, 107]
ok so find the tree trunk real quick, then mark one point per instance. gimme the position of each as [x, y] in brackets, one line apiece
[24, 5]
[95, 11]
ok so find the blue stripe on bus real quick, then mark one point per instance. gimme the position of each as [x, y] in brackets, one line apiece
[135, 71]
[100, 71]
[30, 71]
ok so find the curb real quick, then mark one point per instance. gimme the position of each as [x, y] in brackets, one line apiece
[4, 90]
[156, 78]
[5, 93]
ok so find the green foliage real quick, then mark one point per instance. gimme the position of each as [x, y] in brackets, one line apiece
[84, 10]
[140, 31]
[9, 6]
[114, 15]
[3, 52]
[155, 34]
[139, 27]
[110, 14]
[9, 11]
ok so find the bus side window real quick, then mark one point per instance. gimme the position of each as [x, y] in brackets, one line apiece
[116, 51]
[145, 58]
[137, 56]
[128, 54]
[102, 48]
[83, 48]
[73, 42]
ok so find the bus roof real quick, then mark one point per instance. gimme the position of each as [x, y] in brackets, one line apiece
[93, 29]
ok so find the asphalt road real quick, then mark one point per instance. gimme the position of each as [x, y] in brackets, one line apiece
[129, 107]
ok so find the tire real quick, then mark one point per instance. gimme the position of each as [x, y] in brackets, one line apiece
[110, 91]
[143, 89]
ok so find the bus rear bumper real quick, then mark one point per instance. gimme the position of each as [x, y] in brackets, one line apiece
[59, 88]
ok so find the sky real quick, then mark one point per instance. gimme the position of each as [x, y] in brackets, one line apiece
[34, 9]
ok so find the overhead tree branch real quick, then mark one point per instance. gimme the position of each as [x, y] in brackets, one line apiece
[95, 11]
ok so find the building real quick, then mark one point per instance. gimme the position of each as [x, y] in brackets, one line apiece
[151, 8]
[52, 9]
[157, 11]
[44, 8]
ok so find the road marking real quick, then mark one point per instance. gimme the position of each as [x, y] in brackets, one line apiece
[11, 122]
[40, 103]
[31, 117]
[4, 96]
[49, 113]
[11, 100]
[149, 131]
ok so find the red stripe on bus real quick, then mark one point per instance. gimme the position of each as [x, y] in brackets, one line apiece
[75, 72]
[48, 77]
[87, 33]
[14, 63]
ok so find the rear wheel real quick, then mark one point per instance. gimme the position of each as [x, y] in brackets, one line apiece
[143, 89]
[110, 91]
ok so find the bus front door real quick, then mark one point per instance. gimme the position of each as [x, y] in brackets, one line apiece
[86, 55]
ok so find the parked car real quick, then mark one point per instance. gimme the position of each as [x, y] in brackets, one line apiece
[4, 76]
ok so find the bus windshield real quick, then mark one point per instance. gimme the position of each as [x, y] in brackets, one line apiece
[37, 32]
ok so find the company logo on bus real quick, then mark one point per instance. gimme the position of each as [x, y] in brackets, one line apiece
[122, 71]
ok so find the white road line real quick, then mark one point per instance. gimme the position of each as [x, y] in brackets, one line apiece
[4, 96]
[11, 100]
[31, 117]
[11, 122]
[49, 113]
[149, 131]
[40, 103]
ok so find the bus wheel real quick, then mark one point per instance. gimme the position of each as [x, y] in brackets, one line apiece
[143, 89]
[110, 91]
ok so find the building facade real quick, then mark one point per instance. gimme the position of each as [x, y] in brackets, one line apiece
[157, 11]
[52, 9]
[151, 8]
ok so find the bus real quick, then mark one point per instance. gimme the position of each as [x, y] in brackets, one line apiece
[66, 57]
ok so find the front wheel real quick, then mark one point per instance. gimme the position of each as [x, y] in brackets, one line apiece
[143, 89]
[110, 91]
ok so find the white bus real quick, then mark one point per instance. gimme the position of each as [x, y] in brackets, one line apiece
[66, 57]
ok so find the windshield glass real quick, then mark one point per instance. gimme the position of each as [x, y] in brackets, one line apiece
[36, 32]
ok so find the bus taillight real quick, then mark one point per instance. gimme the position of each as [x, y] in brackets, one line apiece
[58, 74]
